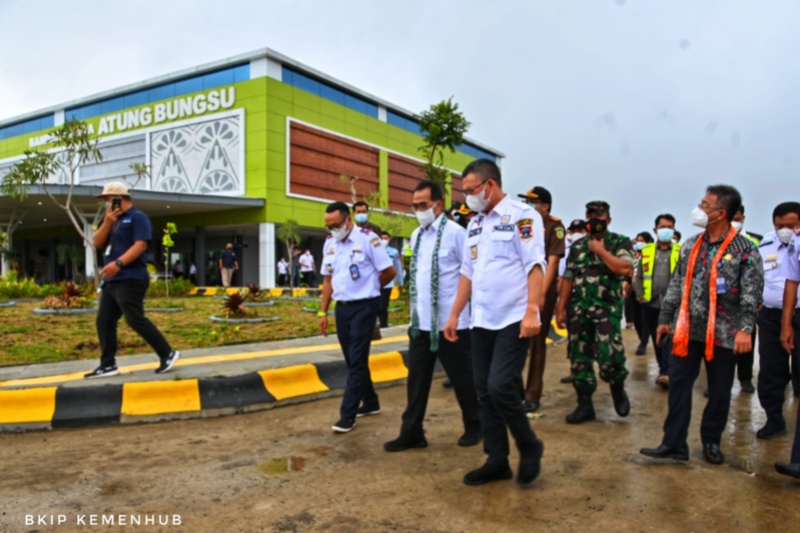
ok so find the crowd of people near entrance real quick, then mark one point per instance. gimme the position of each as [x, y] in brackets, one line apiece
[486, 278]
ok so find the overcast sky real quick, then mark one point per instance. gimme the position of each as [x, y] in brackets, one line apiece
[639, 102]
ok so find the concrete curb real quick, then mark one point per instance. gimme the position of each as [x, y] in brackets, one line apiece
[150, 401]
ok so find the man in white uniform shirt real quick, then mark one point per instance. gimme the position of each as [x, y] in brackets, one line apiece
[355, 266]
[307, 268]
[774, 365]
[438, 249]
[501, 275]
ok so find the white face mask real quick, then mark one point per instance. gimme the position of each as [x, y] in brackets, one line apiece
[737, 225]
[478, 202]
[785, 235]
[426, 218]
[577, 236]
[699, 217]
[339, 233]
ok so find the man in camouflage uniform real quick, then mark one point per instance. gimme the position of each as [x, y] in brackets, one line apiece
[593, 280]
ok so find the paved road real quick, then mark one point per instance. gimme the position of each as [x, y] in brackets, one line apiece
[230, 473]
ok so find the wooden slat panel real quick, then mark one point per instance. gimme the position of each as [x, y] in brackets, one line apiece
[404, 176]
[318, 159]
[458, 189]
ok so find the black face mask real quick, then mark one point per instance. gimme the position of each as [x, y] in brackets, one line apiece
[596, 226]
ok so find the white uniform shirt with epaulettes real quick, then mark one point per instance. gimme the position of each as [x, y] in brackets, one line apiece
[789, 268]
[354, 265]
[773, 253]
[501, 249]
[451, 255]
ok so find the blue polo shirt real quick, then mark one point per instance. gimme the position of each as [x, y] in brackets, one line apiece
[131, 226]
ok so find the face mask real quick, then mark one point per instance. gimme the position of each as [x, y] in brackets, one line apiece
[737, 225]
[638, 246]
[665, 234]
[699, 217]
[785, 235]
[597, 226]
[478, 202]
[577, 236]
[426, 218]
[340, 233]
[361, 218]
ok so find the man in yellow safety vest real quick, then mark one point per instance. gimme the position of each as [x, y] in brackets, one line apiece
[653, 275]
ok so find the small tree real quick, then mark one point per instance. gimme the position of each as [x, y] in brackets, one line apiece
[443, 127]
[73, 146]
[289, 233]
[166, 241]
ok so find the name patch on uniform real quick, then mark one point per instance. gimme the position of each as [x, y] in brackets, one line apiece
[473, 251]
[504, 227]
[475, 231]
[525, 229]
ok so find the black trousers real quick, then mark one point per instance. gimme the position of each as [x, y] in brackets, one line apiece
[744, 361]
[282, 280]
[633, 313]
[383, 313]
[535, 383]
[498, 357]
[126, 298]
[308, 278]
[650, 315]
[457, 362]
[777, 368]
[683, 372]
[355, 322]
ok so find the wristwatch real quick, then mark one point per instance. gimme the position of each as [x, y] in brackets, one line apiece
[119, 263]
[748, 330]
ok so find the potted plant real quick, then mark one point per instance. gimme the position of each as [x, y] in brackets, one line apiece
[237, 313]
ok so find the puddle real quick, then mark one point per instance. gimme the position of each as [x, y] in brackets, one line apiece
[282, 465]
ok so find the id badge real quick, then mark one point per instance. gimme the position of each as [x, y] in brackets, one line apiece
[354, 273]
[722, 286]
[108, 250]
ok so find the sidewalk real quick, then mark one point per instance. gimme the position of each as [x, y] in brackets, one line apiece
[204, 382]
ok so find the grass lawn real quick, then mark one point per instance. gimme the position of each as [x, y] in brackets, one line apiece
[27, 338]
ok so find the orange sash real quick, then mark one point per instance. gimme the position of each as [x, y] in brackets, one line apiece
[681, 337]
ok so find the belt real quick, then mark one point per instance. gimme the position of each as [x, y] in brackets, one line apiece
[354, 302]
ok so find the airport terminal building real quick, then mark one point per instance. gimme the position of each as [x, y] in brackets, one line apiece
[235, 148]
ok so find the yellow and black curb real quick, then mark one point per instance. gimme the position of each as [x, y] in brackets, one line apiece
[72, 407]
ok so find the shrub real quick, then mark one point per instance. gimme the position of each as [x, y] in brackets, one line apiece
[234, 304]
[11, 287]
[177, 287]
[71, 297]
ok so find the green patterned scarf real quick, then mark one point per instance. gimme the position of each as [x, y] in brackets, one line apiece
[434, 287]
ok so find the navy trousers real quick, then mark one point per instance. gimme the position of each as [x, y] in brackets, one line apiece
[355, 322]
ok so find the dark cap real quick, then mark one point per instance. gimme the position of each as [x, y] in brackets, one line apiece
[577, 224]
[538, 193]
[598, 206]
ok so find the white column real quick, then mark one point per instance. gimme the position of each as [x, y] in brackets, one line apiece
[5, 266]
[89, 249]
[266, 255]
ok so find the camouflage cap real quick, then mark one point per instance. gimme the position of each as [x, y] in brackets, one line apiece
[598, 206]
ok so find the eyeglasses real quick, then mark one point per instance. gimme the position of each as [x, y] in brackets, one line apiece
[422, 206]
[709, 208]
[337, 225]
[473, 190]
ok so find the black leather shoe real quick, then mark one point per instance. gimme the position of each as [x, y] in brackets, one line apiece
[447, 384]
[530, 407]
[770, 431]
[747, 386]
[713, 454]
[788, 469]
[641, 350]
[402, 443]
[488, 473]
[470, 438]
[666, 452]
[567, 379]
[530, 463]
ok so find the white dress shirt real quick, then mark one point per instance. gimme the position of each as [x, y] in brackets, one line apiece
[501, 249]
[781, 262]
[361, 255]
[451, 255]
[306, 263]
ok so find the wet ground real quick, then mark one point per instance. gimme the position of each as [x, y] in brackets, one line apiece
[283, 470]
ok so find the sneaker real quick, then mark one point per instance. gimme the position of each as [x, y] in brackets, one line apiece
[365, 410]
[169, 362]
[344, 425]
[102, 372]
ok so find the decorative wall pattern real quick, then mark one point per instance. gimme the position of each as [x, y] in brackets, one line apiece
[200, 158]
